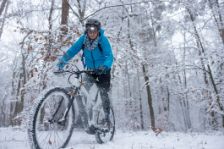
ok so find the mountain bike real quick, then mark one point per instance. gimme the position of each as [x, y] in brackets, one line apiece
[54, 114]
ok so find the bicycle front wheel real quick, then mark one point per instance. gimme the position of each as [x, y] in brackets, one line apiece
[51, 125]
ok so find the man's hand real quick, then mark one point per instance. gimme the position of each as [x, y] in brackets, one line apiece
[57, 70]
[59, 67]
[102, 70]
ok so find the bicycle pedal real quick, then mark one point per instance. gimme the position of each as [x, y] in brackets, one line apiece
[62, 122]
[91, 130]
[103, 130]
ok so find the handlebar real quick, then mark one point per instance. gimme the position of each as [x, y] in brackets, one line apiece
[75, 72]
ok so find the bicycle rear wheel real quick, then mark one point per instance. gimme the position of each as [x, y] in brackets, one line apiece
[49, 127]
[103, 134]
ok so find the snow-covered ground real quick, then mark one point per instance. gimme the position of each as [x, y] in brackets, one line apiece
[12, 138]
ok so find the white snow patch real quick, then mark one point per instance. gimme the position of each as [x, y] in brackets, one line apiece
[11, 138]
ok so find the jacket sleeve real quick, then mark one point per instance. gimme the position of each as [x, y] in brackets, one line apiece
[72, 51]
[107, 51]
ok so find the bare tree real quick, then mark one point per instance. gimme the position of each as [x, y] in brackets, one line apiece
[21, 77]
[81, 10]
[218, 16]
[149, 95]
[140, 101]
[50, 36]
[207, 70]
[145, 74]
[5, 4]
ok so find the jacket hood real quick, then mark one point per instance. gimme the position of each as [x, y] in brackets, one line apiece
[101, 31]
[101, 34]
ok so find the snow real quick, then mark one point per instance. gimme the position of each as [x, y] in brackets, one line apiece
[11, 138]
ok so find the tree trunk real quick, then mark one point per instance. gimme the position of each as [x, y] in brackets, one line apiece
[168, 98]
[140, 102]
[151, 110]
[3, 21]
[2, 112]
[184, 106]
[50, 24]
[2, 7]
[128, 80]
[153, 30]
[81, 10]
[185, 101]
[132, 48]
[217, 15]
[64, 17]
[22, 81]
[217, 93]
[222, 34]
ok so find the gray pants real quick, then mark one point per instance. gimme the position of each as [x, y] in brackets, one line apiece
[103, 83]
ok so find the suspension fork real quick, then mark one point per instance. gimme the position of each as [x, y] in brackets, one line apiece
[72, 94]
[57, 109]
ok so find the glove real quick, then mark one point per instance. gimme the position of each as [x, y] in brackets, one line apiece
[58, 68]
[103, 70]
[60, 65]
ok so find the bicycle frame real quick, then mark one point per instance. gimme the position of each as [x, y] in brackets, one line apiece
[73, 92]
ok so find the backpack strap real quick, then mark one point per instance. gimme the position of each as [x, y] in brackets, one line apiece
[100, 47]
[83, 46]
[82, 58]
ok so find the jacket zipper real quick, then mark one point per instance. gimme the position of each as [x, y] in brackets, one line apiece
[93, 60]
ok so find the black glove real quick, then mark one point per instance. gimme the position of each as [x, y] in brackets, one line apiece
[57, 70]
[102, 70]
[60, 65]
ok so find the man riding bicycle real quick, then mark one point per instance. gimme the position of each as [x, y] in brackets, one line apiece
[98, 58]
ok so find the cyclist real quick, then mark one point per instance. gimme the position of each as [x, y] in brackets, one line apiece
[97, 57]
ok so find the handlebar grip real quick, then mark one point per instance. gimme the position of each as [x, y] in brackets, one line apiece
[58, 72]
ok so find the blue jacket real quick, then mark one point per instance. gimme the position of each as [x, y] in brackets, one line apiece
[93, 58]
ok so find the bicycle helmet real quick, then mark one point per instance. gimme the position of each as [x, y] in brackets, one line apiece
[93, 22]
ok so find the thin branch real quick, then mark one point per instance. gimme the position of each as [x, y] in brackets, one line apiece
[76, 14]
[24, 13]
[3, 22]
[119, 5]
[106, 7]
[197, 67]
[24, 38]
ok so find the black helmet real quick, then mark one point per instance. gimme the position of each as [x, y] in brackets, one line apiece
[93, 22]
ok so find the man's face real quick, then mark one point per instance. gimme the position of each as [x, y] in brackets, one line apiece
[92, 32]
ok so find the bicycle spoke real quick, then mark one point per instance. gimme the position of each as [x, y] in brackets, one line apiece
[56, 134]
